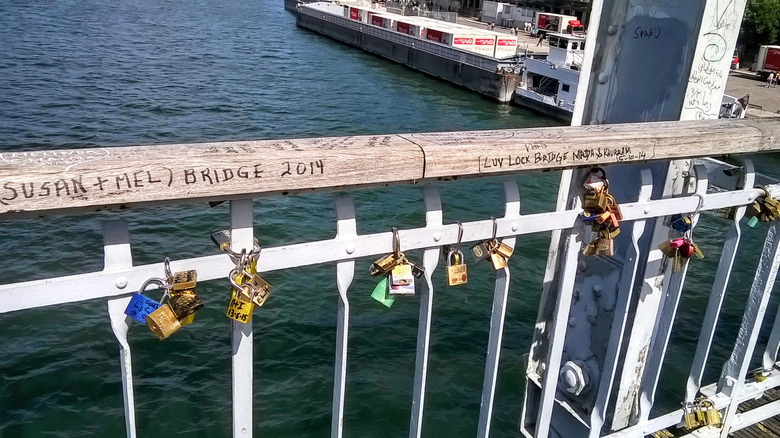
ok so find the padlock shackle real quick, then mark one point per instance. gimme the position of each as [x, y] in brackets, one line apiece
[495, 228]
[460, 236]
[158, 281]
[396, 243]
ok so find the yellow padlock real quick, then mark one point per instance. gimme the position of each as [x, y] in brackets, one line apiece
[163, 322]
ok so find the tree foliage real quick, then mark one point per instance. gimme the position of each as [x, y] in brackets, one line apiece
[761, 24]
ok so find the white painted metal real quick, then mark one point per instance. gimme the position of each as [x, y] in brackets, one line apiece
[672, 288]
[646, 321]
[773, 344]
[736, 368]
[497, 316]
[102, 284]
[120, 324]
[242, 237]
[346, 228]
[720, 25]
[557, 333]
[433, 219]
[117, 255]
[718, 292]
[620, 318]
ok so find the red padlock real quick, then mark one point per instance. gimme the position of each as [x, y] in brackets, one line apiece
[686, 249]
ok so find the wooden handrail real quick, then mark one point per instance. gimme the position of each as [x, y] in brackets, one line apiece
[39, 183]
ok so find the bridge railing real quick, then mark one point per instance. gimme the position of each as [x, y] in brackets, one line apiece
[83, 180]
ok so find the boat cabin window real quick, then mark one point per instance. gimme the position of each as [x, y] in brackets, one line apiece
[565, 87]
[553, 41]
[562, 43]
[574, 45]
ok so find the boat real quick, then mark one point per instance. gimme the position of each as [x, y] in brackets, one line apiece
[549, 85]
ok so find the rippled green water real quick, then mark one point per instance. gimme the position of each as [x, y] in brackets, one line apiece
[80, 74]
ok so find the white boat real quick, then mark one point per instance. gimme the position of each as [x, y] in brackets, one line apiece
[549, 85]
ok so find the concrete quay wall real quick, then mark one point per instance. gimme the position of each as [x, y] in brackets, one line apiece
[483, 78]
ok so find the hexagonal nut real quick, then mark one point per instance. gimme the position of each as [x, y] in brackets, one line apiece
[574, 377]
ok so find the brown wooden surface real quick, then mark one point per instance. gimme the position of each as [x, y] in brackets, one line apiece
[45, 182]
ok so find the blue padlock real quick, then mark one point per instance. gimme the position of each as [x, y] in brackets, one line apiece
[680, 223]
[588, 217]
[140, 305]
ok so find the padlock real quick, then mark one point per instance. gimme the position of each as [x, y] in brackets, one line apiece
[680, 223]
[668, 249]
[381, 294]
[711, 415]
[482, 250]
[221, 239]
[456, 270]
[140, 305]
[401, 280]
[609, 234]
[605, 247]
[588, 217]
[260, 289]
[607, 219]
[238, 310]
[385, 264]
[502, 249]
[184, 280]
[596, 180]
[498, 261]
[184, 303]
[163, 322]
[690, 420]
[614, 208]
[595, 202]
[590, 249]
[685, 249]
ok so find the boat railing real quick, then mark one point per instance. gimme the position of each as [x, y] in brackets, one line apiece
[469, 58]
[85, 180]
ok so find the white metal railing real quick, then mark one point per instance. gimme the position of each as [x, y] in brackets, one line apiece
[119, 278]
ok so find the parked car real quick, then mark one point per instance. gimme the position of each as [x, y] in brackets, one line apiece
[735, 60]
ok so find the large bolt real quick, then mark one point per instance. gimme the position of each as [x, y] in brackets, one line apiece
[573, 378]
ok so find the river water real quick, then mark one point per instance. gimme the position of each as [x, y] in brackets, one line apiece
[87, 73]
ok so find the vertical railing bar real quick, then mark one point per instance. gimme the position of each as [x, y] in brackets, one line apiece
[117, 254]
[772, 346]
[718, 292]
[346, 228]
[242, 237]
[645, 311]
[557, 334]
[660, 342]
[433, 219]
[736, 368]
[628, 278]
[498, 314]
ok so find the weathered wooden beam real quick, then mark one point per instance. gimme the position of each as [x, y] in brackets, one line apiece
[36, 183]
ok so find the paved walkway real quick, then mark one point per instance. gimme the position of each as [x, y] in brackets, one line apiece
[765, 102]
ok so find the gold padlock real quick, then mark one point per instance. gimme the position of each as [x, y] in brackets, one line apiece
[163, 322]
[595, 202]
[503, 249]
[184, 280]
[711, 415]
[184, 303]
[482, 250]
[498, 261]
[384, 265]
[690, 420]
[605, 247]
[260, 289]
[456, 270]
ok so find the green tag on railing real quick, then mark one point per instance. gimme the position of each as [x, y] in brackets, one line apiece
[752, 222]
[380, 293]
